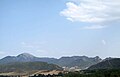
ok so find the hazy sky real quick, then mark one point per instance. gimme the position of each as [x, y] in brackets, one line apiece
[55, 28]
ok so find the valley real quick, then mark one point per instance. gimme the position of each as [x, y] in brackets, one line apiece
[27, 65]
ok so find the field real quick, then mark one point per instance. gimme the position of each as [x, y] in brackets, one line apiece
[30, 73]
[55, 73]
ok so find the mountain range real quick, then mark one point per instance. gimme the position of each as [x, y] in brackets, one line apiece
[108, 63]
[81, 61]
[27, 67]
[27, 62]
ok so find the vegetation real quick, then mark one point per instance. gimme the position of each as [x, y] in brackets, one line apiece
[81, 61]
[95, 73]
[27, 66]
[84, 73]
[107, 64]
[42, 75]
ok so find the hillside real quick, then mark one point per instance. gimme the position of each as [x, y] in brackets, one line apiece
[27, 66]
[24, 57]
[107, 64]
[81, 61]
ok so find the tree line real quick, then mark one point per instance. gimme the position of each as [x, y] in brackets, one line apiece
[83, 73]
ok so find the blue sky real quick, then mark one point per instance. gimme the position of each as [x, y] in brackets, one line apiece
[55, 28]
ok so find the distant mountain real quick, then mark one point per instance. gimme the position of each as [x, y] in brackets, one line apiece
[108, 63]
[28, 66]
[81, 61]
[24, 57]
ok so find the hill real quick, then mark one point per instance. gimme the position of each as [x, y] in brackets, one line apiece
[24, 57]
[81, 61]
[27, 66]
[113, 63]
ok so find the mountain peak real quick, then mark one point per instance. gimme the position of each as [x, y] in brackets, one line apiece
[25, 55]
[97, 57]
[112, 63]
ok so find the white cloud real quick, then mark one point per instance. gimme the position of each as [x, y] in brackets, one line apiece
[23, 43]
[27, 45]
[33, 44]
[92, 11]
[94, 27]
[103, 42]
